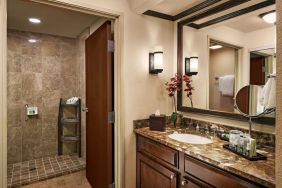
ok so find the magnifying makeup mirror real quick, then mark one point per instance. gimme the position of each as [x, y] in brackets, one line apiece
[254, 101]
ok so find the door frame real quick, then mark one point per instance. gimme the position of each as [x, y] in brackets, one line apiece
[118, 18]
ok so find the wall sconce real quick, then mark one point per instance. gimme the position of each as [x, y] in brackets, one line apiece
[156, 61]
[191, 66]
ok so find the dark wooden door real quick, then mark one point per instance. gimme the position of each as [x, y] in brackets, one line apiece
[257, 71]
[152, 175]
[99, 101]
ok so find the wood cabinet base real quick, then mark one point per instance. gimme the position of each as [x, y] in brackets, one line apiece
[159, 166]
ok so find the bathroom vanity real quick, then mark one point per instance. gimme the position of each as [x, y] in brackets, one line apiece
[166, 163]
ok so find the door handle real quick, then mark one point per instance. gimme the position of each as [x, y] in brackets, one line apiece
[85, 109]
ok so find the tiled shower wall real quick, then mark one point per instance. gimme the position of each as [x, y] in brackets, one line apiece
[39, 74]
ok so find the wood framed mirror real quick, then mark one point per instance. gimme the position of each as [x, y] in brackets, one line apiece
[232, 49]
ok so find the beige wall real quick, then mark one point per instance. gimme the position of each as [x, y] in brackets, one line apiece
[278, 156]
[143, 93]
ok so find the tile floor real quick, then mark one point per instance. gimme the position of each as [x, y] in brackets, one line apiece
[28, 172]
[74, 180]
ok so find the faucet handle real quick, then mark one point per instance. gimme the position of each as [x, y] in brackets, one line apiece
[214, 126]
[206, 129]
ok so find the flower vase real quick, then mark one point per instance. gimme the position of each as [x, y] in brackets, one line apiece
[176, 119]
[179, 119]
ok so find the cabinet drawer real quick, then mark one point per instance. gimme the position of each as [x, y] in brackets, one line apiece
[160, 151]
[213, 176]
[192, 182]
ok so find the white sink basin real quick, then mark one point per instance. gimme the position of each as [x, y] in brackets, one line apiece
[190, 138]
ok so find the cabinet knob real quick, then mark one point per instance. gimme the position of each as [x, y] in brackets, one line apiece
[172, 176]
[184, 182]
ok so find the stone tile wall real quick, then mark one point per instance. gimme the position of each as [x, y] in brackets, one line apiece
[39, 74]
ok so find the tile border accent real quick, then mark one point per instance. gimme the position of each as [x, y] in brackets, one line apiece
[35, 170]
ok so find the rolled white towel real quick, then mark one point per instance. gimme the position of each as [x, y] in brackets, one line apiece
[265, 92]
[271, 103]
[226, 85]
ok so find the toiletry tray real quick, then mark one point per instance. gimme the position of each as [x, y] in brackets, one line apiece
[255, 158]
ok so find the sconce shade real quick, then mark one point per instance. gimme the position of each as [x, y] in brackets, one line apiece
[156, 62]
[191, 66]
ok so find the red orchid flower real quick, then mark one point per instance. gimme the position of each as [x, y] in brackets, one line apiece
[174, 85]
[188, 89]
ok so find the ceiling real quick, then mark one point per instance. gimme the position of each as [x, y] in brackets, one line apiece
[245, 23]
[249, 23]
[55, 21]
[229, 10]
[173, 7]
[264, 52]
[241, 15]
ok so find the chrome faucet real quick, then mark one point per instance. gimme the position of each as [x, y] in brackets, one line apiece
[215, 129]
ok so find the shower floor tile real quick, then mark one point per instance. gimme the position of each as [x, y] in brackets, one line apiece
[28, 172]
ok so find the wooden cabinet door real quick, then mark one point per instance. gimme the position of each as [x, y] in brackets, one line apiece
[152, 175]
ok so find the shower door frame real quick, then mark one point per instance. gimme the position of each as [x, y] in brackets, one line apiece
[118, 35]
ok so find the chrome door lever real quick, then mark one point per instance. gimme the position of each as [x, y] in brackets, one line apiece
[85, 109]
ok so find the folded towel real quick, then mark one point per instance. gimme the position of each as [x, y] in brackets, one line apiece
[226, 85]
[72, 100]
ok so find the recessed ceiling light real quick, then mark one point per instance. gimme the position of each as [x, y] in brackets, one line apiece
[32, 40]
[34, 20]
[269, 17]
[216, 46]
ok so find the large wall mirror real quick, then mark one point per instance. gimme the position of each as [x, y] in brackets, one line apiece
[230, 54]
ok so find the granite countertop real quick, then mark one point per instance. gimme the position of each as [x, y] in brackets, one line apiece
[262, 172]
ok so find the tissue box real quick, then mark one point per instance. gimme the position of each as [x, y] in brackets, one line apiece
[157, 123]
